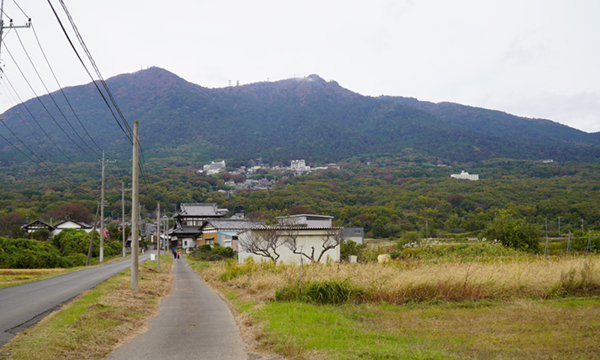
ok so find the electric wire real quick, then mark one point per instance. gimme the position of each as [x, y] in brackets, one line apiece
[37, 138]
[88, 72]
[61, 89]
[40, 101]
[21, 9]
[49, 170]
[52, 97]
[34, 119]
[101, 79]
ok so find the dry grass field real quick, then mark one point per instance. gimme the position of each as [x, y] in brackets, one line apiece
[524, 307]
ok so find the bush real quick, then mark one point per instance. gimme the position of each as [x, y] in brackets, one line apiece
[30, 254]
[78, 259]
[349, 247]
[321, 292]
[73, 241]
[407, 238]
[513, 231]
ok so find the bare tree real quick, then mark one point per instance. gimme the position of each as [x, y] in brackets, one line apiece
[331, 239]
[262, 242]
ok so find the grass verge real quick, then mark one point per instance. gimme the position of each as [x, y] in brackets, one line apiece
[97, 321]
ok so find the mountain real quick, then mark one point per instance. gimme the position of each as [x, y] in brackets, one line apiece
[306, 118]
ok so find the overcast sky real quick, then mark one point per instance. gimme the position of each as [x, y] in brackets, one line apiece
[538, 59]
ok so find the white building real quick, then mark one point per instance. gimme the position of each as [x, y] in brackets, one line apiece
[307, 239]
[214, 167]
[306, 220]
[299, 166]
[465, 175]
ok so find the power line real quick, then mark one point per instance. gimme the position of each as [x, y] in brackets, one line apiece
[60, 87]
[42, 161]
[41, 103]
[33, 117]
[52, 97]
[89, 74]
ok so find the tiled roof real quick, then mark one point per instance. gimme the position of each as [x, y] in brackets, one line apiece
[199, 210]
[240, 224]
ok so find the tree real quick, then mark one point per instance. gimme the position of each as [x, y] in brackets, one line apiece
[73, 211]
[331, 239]
[262, 242]
[513, 231]
[16, 232]
[40, 235]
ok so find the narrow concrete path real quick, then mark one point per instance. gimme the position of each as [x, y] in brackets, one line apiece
[193, 323]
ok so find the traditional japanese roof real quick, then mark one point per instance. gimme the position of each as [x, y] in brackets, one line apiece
[39, 221]
[200, 210]
[81, 224]
[233, 224]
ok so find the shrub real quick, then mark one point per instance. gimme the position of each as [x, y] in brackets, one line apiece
[513, 231]
[30, 254]
[349, 247]
[407, 239]
[321, 292]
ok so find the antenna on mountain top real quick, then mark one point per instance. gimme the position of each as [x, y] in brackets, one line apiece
[237, 83]
[229, 83]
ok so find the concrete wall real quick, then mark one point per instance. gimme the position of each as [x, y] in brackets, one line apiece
[307, 239]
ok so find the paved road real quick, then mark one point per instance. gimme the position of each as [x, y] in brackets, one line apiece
[23, 306]
[193, 323]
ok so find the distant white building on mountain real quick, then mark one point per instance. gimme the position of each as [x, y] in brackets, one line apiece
[299, 166]
[465, 175]
[214, 167]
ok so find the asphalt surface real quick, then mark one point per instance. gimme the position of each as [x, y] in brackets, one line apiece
[23, 306]
[193, 323]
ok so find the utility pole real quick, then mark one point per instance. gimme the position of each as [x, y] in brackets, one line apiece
[166, 236]
[123, 218]
[158, 235]
[559, 226]
[102, 210]
[10, 24]
[134, 209]
[546, 249]
[582, 227]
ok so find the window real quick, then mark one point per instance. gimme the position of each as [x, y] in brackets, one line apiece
[210, 241]
[185, 243]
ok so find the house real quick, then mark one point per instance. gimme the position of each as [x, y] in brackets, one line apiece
[188, 223]
[306, 220]
[214, 167]
[37, 224]
[312, 234]
[306, 239]
[465, 175]
[71, 224]
[225, 231]
[356, 234]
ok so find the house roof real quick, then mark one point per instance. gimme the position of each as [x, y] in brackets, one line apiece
[81, 224]
[308, 216]
[200, 210]
[38, 220]
[237, 224]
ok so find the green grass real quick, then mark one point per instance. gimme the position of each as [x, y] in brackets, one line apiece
[515, 330]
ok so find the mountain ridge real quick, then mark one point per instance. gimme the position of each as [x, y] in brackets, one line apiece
[296, 118]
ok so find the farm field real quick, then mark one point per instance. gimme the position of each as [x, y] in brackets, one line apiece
[515, 306]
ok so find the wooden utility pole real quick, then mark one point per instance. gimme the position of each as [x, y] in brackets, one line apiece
[123, 218]
[158, 235]
[102, 211]
[87, 262]
[135, 209]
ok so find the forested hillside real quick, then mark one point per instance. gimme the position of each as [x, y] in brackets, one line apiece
[306, 118]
